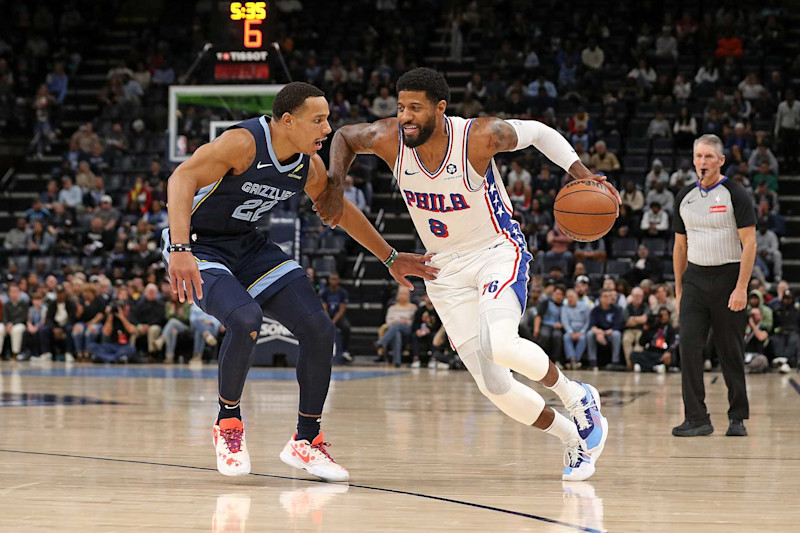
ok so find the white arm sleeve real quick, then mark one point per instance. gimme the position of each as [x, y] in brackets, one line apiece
[546, 140]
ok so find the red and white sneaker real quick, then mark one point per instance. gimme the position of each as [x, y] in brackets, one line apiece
[313, 458]
[232, 456]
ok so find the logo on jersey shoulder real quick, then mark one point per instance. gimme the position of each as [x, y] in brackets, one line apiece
[435, 202]
[451, 168]
[293, 173]
[265, 165]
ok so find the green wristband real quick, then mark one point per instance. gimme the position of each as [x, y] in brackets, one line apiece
[392, 258]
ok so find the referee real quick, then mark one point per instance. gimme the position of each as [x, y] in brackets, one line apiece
[715, 247]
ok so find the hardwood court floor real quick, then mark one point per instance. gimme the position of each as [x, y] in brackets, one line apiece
[92, 448]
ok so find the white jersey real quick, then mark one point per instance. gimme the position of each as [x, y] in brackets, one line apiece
[455, 208]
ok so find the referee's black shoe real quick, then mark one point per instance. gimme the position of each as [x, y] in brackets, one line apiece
[693, 429]
[736, 428]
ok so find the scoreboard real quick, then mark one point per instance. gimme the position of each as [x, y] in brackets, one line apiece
[242, 36]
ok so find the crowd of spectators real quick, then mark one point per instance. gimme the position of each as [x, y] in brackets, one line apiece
[628, 97]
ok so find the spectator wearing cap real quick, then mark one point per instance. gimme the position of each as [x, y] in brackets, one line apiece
[582, 288]
[655, 221]
[786, 337]
[107, 213]
[605, 328]
[768, 255]
[548, 331]
[656, 174]
[756, 337]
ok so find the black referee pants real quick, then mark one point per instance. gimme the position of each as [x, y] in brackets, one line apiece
[704, 305]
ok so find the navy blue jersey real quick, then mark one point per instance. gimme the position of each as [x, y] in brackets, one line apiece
[234, 205]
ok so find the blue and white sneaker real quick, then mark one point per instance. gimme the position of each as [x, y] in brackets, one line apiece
[592, 425]
[577, 462]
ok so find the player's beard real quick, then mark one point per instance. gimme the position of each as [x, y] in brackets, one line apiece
[425, 132]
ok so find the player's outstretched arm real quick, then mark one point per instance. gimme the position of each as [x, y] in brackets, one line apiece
[208, 164]
[495, 135]
[359, 227]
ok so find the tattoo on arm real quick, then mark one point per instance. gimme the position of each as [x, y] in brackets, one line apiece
[503, 137]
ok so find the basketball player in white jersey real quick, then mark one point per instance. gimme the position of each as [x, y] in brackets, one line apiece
[446, 173]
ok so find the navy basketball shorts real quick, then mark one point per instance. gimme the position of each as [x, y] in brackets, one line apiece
[257, 263]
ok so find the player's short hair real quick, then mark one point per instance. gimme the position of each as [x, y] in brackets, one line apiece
[292, 97]
[431, 82]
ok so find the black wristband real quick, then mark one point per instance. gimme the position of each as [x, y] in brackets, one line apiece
[180, 248]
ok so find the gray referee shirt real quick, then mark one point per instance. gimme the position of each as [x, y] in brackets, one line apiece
[710, 219]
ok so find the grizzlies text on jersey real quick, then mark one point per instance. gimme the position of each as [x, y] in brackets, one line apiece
[235, 204]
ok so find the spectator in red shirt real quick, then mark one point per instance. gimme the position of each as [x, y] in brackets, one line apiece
[729, 46]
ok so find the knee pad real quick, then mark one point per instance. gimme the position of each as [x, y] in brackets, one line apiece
[246, 319]
[492, 379]
[501, 343]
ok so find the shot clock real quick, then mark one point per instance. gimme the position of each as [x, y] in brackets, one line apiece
[242, 40]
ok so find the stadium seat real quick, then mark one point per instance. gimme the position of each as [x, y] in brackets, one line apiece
[657, 247]
[637, 146]
[662, 146]
[324, 266]
[618, 267]
[624, 247]
[635, 164]
[331, 243]
[594, 267]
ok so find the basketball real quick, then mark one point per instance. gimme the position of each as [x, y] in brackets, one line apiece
[585, 210]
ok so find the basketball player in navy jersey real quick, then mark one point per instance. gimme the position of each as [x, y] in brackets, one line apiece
[461, 212]
[218, 259]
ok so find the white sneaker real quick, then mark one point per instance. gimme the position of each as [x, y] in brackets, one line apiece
[660, 369]
[313, 458]
[415, 364]
[442, 366]
[748, 357]
[233, 458]
[347, 357]
[778, 361]
[707, 365]
[785, 368]
[209, 338]
[159, 342]
[637, 368]
[592, 425]
[68, 357]
[47, 356]
[431, 363]
[577, 462]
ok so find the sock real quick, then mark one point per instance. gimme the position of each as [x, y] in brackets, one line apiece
[308, 427]
[229, 411]
[563, 428]
[567, 390]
